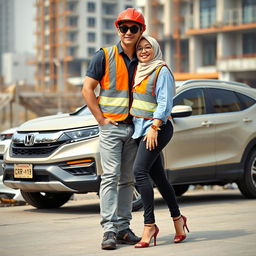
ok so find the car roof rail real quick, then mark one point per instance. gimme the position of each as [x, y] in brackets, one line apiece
[215, 80]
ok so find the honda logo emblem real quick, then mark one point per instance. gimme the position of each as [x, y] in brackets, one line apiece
[29, 140]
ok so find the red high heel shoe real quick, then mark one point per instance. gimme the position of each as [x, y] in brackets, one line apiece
[145, 244]
[180, 238]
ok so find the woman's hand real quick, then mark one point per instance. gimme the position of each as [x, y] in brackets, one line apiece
[151, 139]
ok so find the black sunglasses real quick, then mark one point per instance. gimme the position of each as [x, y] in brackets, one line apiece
[134, 29]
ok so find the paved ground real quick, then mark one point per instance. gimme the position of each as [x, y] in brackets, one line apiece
[221, 223]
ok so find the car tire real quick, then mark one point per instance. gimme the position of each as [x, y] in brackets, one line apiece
[137, 201]
[180, 189]
[46, 200]
[247, 186]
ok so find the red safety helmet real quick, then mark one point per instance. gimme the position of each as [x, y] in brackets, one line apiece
[131, 14]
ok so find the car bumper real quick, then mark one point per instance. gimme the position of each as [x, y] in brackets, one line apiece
[49, 177]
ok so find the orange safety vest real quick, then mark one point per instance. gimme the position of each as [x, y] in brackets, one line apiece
[114, 93]
[144, 99]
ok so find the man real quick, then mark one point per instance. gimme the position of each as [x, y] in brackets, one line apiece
[114, 69]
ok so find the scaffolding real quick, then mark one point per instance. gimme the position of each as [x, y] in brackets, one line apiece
[52, 92]
[52, 55]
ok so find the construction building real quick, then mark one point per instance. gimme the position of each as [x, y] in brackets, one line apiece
[205, 38]
[68, 34]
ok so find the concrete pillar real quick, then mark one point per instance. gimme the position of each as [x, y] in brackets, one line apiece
[221, 45]
[167, 55]
[168, 24]
[148, 17]
[196, 16]
[195, 53]
[220, 5]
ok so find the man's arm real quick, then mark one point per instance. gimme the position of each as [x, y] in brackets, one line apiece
[89, 86]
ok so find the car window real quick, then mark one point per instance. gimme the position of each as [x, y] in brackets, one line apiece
[193, 98]
[83, 111]
[224, 101]
[246, 101]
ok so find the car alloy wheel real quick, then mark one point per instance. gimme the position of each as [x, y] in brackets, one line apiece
[247, 185]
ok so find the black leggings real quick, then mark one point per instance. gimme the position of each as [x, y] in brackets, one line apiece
[149, 164]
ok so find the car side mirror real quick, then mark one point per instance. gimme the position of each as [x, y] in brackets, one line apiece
[181, 111]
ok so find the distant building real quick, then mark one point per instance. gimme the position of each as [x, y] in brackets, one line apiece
[205, 38]
[16, 68]
[68, 34]
[6, 28]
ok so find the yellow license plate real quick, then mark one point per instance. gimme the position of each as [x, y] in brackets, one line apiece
[23, 171]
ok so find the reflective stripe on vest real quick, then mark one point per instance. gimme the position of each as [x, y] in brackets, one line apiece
[144, 105]
[114, 93]
[144, 99]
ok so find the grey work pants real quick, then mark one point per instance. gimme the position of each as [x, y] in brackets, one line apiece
[118, 151]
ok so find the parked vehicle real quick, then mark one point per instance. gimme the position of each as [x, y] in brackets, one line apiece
[52, 157]
[5, 141]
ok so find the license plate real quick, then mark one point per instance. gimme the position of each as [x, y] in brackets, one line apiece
[23, 171]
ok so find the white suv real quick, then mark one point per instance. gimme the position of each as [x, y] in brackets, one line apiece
[52, 157]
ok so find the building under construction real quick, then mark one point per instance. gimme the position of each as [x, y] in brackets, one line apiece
[205, 38]
[68, 33]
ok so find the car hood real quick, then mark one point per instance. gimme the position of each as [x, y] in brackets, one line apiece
[58, 122]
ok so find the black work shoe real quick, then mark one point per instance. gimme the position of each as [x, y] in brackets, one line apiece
[126, 236]
[109, 241]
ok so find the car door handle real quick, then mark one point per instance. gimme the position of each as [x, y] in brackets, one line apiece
[247, 120]
[206, 123]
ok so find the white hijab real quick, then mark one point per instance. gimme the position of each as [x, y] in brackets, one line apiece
[145, 69]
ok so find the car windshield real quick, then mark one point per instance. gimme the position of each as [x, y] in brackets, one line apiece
[82, 111]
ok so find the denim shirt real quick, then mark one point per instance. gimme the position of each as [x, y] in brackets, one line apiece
[164, 96]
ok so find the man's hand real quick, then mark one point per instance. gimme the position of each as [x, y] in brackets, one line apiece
[105, 121]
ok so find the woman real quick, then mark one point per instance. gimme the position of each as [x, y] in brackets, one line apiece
[153, 91]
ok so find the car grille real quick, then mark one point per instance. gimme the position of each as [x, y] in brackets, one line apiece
[42, 150]
[82, 170]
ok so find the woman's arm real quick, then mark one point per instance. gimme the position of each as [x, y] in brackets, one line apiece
[164, 91]
[164, 96]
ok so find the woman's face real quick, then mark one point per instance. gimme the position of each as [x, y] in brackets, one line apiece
[144, 51]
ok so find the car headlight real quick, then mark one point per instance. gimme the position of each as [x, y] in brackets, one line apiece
[83, 133]
[5, 136]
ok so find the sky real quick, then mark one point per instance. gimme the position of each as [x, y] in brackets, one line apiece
[25, 13]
